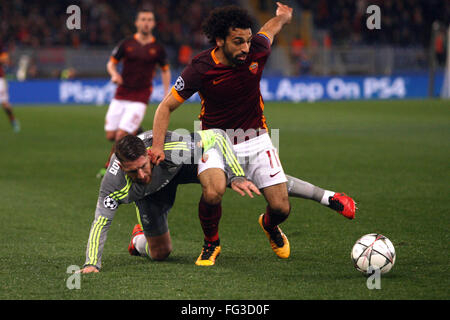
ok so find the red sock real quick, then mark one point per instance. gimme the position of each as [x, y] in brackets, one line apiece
[209, 219]
[9, 114]
[272, 219]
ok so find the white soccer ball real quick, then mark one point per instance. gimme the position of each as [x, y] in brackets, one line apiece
[373, 251]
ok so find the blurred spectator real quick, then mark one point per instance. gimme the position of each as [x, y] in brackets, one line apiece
[184, 55]
[403, 22]
[300, 55]
[28, 25]
[103, 23]
[33, 71]
[68, 73]
[42, 23]
[439, 47]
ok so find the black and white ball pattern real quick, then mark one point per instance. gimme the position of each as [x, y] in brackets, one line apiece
[110, 203]
[375, 251]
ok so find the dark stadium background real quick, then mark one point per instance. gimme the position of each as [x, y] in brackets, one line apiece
[389, 150]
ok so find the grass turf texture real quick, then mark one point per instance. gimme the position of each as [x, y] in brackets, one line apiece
[391, 156]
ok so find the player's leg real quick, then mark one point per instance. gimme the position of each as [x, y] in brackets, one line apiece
[114, 136]
[151, 236]
[123, 118]
[157, 248]
[132, 117]
[263, 166]
[277, 211]
[10, 114]
[4, 101]
[212, 177]
[302, 189]
[339, 202]
[113, 116]
[130, 121]
[213, 181]
[118, 134]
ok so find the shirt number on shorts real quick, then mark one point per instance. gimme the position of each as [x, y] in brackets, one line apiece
[273, 158]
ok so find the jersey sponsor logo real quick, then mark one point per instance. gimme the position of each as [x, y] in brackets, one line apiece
[179, 84]
[110, 203]
[253, 67]
[152, 51]
[129, 49]
[114, 167]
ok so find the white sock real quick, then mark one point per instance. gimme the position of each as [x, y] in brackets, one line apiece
[141, 244]
[325, 197]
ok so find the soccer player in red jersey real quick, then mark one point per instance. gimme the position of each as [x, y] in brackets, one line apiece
[4, 97]
[140, 55]
[227, 79]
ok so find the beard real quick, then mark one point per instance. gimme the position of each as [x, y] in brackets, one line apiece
[234, 59]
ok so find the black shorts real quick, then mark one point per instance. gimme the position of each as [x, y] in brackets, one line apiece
[154, 208]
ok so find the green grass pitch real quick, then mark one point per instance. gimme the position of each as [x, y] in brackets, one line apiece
[392, 156]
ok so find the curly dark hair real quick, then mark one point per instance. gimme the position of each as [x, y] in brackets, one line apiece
[220, 20]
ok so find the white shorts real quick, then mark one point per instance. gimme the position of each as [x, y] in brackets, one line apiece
[258, 157]
[124, 115]
[4, 97]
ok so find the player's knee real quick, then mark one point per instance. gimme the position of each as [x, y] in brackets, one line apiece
[213, 196]
[280, 206]
[110, 135]
[160, 253]
[120, 134]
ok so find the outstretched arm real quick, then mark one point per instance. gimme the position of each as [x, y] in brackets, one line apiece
[165, 77]
[96, 242]
[160, 124]
[272, 27]
[104, 214]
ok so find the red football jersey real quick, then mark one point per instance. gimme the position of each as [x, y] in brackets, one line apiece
[139, 66]
[230, 96]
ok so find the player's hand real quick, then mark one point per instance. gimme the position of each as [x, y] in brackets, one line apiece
[117, 78]
[284, 11]
[89, 269]
[157, 155]
[244, 186]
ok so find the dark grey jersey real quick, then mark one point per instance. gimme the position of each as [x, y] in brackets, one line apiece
[117, 188]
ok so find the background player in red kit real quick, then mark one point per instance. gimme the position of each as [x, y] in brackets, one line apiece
[227, 79]
[4, 97]
[140, 55]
